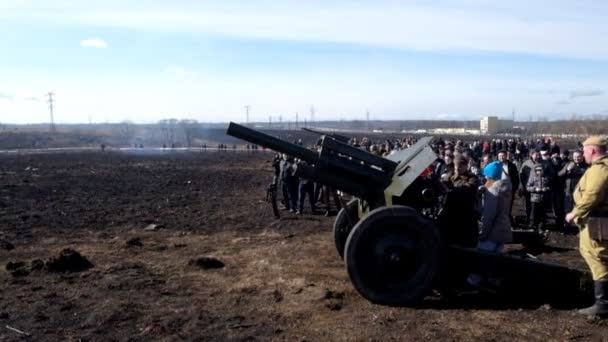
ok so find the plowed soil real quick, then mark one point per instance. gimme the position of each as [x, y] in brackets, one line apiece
[183, 247]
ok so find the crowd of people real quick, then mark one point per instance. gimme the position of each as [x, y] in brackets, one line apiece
[295, 189]
[540, 171]
[481, 181]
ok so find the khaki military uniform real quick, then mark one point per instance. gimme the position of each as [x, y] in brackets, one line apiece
[591, 201]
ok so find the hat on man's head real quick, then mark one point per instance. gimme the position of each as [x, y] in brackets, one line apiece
[595, 140]
[538, 168]
[493, 170]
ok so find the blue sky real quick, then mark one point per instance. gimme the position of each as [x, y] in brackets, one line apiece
[125, 60]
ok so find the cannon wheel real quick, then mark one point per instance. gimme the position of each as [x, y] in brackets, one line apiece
[393, 256]
[345, 221]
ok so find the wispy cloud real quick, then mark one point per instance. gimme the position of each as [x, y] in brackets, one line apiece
[94, 43]
[5, 96]
[546, 27]
[32, 99]
[586, 92]
[563, 102]
[177, 70]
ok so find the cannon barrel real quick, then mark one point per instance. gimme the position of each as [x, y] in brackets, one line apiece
[338, 165]
[271, 142]
[338, 137]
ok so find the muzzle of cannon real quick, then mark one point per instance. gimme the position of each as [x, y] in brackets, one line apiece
[336, 136]
[394, 252]
[336, 164]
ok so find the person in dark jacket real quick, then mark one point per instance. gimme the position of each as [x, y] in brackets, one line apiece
[571, 173]
[539, 187]
[305, 187]
[557, 192]
[458, 218]
[509, 172]
[289, 183]
[553, 147]
[526, 170]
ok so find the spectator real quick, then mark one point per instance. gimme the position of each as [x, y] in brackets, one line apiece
[571, 173]
[458, 219]
[485, 160]
[305, 187]
[525, 173]
[557, 192]
[538, 187]
[290, 183]
[510, 173]
[553, 147]
[495, 228]
[546, 163]
[448, 165]
[495, 220]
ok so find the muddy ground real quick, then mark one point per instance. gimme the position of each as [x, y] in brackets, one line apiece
[147, 222]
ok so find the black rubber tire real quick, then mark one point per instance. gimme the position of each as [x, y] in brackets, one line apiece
[344, 223]
[393, 256]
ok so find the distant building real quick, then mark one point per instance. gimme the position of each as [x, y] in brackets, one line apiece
[493, 125]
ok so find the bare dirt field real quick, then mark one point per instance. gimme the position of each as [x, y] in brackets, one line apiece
[180, 246]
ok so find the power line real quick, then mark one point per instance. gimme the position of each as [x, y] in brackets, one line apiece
[50, 95]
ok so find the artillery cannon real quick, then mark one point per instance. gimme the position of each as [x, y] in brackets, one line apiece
[338, 137]
[394, 252]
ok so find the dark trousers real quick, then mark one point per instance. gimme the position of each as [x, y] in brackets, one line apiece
[539, 215]
[290, 194]
[528, 207]
[557, 198]
[568, 203]
[323, 193]
[303, 189]
[513, 194]
[285, 192]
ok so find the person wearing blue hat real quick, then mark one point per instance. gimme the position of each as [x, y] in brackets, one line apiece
[495, 228]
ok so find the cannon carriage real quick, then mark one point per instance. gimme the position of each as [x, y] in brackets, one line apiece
[394, 251]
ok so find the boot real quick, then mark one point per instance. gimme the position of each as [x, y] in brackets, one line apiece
[600, 308]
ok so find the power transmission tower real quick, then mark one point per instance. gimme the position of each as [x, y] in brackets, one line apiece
[247, 108]
[280, 121]
[312, 114]
[297, 119]
[269, 121]
[367, 119]
[51, 100]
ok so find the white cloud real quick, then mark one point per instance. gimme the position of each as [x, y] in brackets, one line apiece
[94, 43]
[546, 27]
[586, 92]
[5, 96]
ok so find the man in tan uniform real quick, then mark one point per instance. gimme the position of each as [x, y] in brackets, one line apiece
[590, 213]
